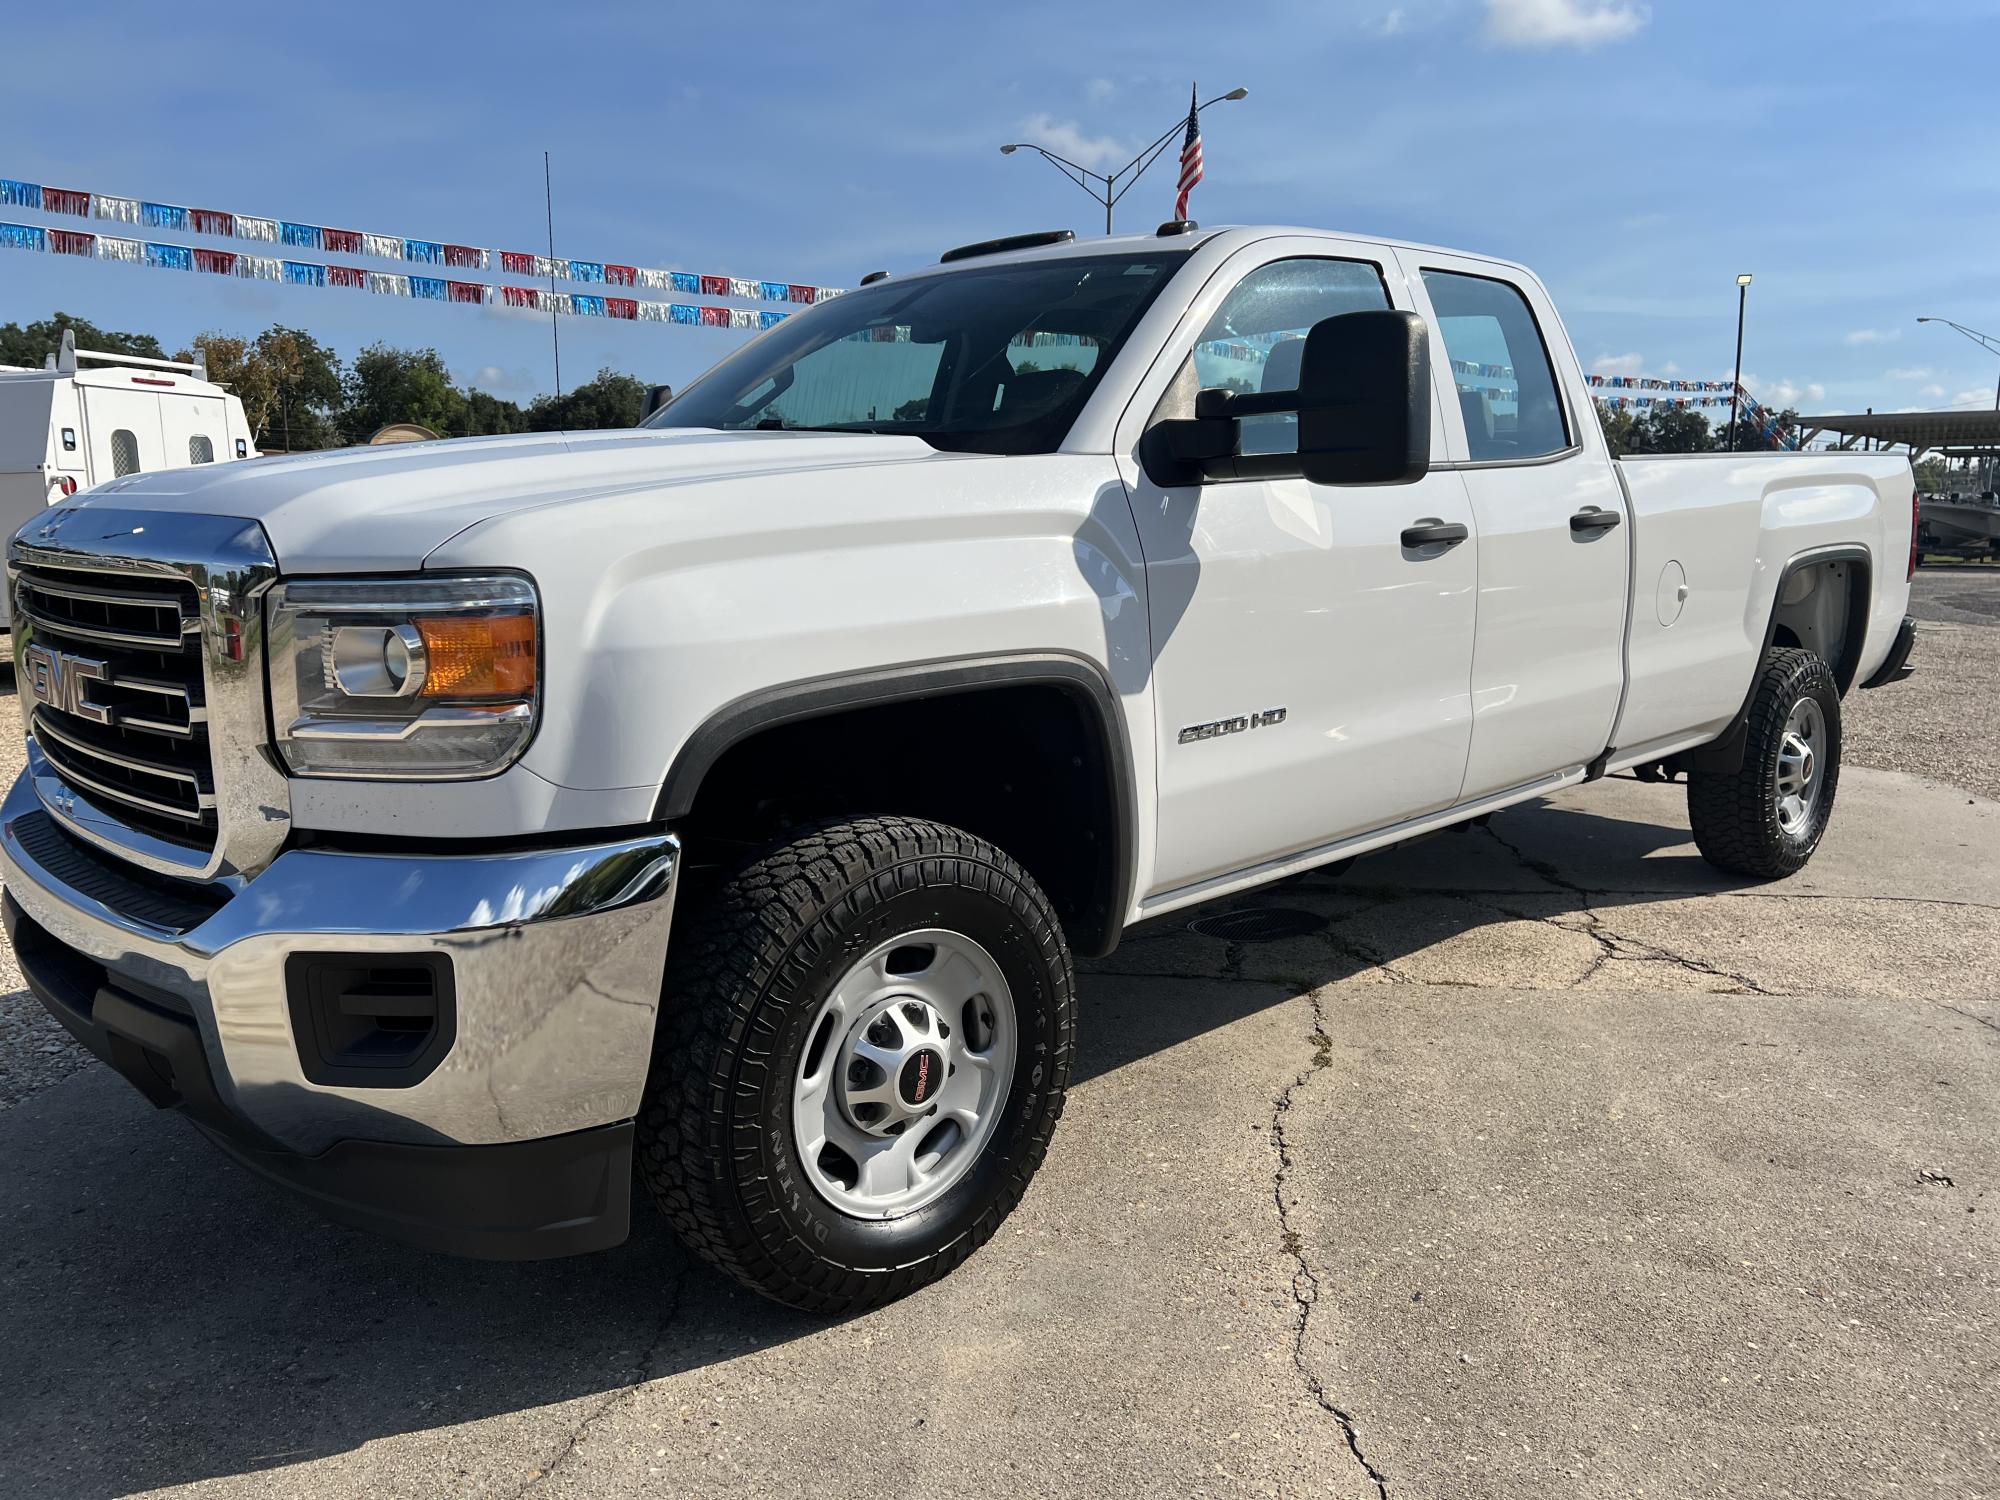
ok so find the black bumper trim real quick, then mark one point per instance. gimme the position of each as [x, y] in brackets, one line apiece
[1899, 655]
[522, 1200]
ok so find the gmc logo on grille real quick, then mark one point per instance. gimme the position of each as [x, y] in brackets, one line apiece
[62, 682]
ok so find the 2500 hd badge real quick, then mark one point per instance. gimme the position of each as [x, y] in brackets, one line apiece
[1216, 728]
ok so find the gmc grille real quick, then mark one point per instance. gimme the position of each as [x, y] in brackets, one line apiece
[130, 731]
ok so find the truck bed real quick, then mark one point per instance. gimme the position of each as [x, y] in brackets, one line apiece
[1695, 518]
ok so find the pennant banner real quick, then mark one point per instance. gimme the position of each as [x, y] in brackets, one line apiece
[224, 225]
[166, 257]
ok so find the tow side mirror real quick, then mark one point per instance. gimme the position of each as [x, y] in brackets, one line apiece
[657, 396]
[1363, 405]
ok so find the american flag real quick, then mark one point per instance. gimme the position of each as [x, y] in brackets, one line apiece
[1190, 157]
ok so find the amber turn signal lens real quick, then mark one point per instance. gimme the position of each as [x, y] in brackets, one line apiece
[477, 658]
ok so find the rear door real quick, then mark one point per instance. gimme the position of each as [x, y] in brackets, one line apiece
[122, 430]
[193, 429]
[1548, 660]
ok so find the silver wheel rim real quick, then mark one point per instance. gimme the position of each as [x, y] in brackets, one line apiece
[1801, 762]
[879, 1132]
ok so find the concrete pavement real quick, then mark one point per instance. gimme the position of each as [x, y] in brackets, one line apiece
[1550, 1163]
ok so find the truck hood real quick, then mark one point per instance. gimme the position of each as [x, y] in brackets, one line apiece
[388, 508]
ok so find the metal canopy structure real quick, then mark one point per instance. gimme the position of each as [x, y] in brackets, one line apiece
[1972, 432]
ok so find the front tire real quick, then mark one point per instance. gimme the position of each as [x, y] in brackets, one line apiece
[1766, 818]
[862, 1054]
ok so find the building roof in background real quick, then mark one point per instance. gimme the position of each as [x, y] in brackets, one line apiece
[1919, 429]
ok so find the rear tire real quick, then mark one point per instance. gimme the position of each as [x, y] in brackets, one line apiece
[828, 1120]
[1766, 818]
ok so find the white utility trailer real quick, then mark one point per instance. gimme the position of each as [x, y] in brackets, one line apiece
[88, 417]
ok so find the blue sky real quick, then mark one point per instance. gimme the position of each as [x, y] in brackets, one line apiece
[1638, 155]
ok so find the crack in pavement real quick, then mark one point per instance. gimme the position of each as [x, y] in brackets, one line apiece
[1613, 946]
[1305, 1281]
[641, 1375]
[1987, 1021]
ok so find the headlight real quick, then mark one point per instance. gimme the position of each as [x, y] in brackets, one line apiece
[432, 678]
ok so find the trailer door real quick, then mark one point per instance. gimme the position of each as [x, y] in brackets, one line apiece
[195, 430]
[124, 431]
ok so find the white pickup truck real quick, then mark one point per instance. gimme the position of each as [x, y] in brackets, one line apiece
[449, 828]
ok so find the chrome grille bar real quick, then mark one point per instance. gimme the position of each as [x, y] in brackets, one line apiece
[80, 763]
[139, 650]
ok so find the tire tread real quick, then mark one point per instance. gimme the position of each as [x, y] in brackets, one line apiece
[775, 912]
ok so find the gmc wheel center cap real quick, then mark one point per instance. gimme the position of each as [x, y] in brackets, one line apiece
[921, 1075]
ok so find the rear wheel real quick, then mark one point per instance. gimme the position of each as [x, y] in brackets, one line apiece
[1766, 818]
[862, 1056]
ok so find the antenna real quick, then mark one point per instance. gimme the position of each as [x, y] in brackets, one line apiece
[555, 334]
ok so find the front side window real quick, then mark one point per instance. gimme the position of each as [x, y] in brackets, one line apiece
[1506, 385]
[124, 452]
[1255, 340]
[989, 359]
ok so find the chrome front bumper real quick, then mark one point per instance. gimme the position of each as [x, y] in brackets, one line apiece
[557, 957]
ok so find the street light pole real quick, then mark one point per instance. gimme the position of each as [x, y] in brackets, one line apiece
[1103, 187]
[1736, 385]
[1991, 345]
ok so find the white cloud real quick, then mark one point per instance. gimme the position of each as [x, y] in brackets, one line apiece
[1982, 396]
[1932, 393]
[1874, 335]
[1391, 24]
[494, 378]
[1909, 372]
[1562, 23]
[1617, 364]
[1100, 90]
[1067, 138]
[1670, 368]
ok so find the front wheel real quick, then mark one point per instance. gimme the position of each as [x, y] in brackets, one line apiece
[1766, 818]
[863, 1050]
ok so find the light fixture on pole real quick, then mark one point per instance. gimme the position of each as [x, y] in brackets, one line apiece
[1989, 343]
[1105, 187]
[1736, 385]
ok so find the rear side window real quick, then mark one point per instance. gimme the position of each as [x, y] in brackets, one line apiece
[1506, 385]
[200, 450]
[124, 452]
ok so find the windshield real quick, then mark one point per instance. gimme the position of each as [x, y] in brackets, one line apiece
[993, 359]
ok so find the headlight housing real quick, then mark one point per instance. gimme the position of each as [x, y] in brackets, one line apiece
[429, 678]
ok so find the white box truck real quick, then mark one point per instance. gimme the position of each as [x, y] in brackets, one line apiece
[89, 416]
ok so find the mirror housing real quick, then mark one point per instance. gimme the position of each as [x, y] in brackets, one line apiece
[657, 396]
[1363, 404]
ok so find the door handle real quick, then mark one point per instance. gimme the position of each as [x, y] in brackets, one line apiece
[1590, 519]
[1425, 533]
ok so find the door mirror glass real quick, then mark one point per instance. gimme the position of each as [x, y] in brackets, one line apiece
[1360, 409]
[657, 396]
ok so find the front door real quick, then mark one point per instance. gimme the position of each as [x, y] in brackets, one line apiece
[1310, 667]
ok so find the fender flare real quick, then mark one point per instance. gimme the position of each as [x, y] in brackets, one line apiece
[818, 697]
[1724, 754]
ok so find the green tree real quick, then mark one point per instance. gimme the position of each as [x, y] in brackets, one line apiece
[611, 400]
[289, 384]
[486, 413]
[386, 384]
[1617, 425]
[1671, 429]
[32, 344]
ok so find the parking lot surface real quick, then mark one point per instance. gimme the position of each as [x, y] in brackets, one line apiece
[1542, 1161]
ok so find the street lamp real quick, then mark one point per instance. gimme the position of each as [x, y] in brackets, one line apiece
[1987, 342]
[1103, 187]
[1736, 385]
